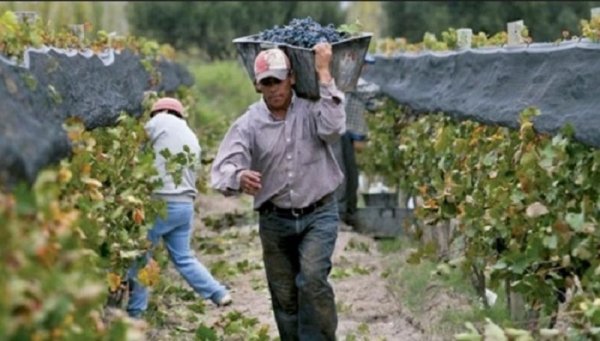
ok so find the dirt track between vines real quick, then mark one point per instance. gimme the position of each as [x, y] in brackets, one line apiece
[367, 310]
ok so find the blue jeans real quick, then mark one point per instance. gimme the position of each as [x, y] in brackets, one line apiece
[176, 231]
[297, 256]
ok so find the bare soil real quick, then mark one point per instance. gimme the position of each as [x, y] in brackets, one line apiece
[367, 309]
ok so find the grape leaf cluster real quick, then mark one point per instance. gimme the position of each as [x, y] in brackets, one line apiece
[303, 33]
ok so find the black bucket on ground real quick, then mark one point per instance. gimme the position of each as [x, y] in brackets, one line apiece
[382, 218]
[347, 60]
[383, 222]
[383, 199]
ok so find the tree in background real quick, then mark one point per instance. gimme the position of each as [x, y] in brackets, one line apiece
[212, 26]
[369, 14]
[545, 19]
[103, 15]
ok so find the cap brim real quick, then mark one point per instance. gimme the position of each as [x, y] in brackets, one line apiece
[279, 74]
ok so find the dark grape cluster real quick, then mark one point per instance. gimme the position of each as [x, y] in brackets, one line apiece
[303, 33]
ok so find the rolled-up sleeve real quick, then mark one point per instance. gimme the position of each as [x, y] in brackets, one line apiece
[331, 114]
[232, 157]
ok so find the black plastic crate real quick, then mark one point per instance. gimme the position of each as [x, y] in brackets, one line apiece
[347, 60]
[383, 222]
[381, 199]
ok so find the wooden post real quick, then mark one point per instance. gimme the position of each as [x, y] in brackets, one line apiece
[518, 312]
[442, 230]
[464, 36]
[28, 17]
[79, 31]
[514, 30]
[111, 36]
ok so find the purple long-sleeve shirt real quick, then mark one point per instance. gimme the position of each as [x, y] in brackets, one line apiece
[293, 155]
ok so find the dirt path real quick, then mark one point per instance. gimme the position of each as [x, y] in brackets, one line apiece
[366, 310]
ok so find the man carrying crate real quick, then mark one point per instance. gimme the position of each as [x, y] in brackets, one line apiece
[279, 151]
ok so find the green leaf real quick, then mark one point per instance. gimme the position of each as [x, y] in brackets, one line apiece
[117, 212]
[529, 113]
[568, 130]
[547, 158]
[500, 265]
[520, 265]
[442, 140]
[528, 159]
[550, 241]
[198, 307]
[352, 29]
[25, 198]
[204, 333]
[490, 159]
[575, 220]
[517, 196]
[582, 250]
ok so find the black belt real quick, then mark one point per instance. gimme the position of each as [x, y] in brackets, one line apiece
[296, 212]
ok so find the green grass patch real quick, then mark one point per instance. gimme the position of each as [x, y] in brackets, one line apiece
[222, 92]
[416, 284]
[413, 281]
[393, 245]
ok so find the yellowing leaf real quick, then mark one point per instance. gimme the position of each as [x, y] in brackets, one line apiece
[86, 169]
[114, 281]
[443, 269]
[149, 275]
[549, 333]
[96, 195]
[91, 182]
[467, 337]
[518, 334]
[431, 204]
[493, 332]
[129, 254]
[64, 220]
[74, 135]
[138, 216]
[133, 200]
[88, 292]
[64, 175]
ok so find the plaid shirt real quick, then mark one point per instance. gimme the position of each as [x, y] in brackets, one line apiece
[357, 103]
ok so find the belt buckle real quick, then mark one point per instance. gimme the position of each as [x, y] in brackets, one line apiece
[296, 212]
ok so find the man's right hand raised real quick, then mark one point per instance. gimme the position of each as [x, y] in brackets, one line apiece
[250, 182]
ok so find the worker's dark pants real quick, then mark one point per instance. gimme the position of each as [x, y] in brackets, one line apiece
[297, 255]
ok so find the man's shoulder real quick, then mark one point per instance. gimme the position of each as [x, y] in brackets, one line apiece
[253, 109]
[249, 114]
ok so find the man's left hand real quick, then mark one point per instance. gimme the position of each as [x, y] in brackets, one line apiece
[322, 60]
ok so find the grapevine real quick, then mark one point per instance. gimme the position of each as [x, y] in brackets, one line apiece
[70, 237]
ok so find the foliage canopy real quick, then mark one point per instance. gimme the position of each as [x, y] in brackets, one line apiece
[212, 26]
